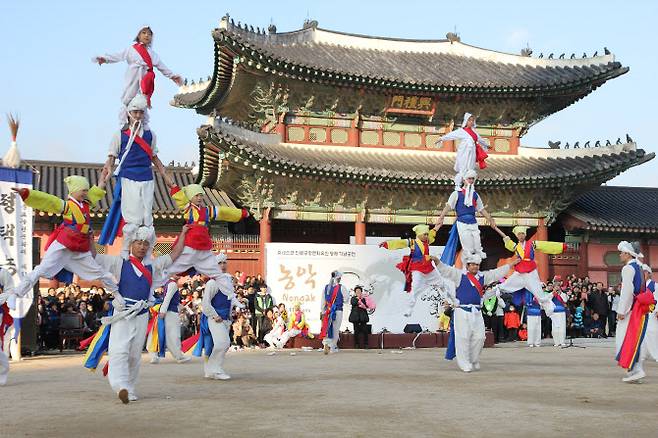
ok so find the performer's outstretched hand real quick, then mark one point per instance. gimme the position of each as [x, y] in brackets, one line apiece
[22, 192]
[498, 230]
[383, 245]
[100, 60]
[438, 224]
[177, 79]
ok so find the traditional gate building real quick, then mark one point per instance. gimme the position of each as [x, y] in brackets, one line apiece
[325, 135]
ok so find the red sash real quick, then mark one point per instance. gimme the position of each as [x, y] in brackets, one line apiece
[327, 311]
[6, 321]
[142, 144]
[141, 268]
[474, 281]
[475, 199]
[643, 305]
[480, 153]
[559, 298]
[147, 84]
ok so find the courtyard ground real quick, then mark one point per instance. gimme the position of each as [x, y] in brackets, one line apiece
[519, 392]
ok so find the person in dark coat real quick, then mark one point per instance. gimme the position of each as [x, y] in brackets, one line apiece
[359, 317]
[598, 302]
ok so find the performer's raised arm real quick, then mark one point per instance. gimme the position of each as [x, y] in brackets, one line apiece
[448, 272]
[454, 135]
[41, 201]
[111, 58]
[550, 247]
[498, 273]
[177, 250]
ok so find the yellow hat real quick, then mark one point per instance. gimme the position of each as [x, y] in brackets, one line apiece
[421, 229]
[192, 190]
[296, 305]
[75, 183]
[520, 229]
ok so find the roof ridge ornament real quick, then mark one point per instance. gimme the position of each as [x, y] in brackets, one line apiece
[453, 37]
[310, 24]
[527, 51]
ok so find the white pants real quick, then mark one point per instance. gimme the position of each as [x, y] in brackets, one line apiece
[277, 341]
[530, 281]
[651, 337]
[420, 283]
[559, 327]
[534, 330]
[221, 341]
[10, 346]
[58, 257]
[172, 335]
[4, 368]
[469, 237]
[469, 337]
[333, 342]
[137, 201]
[203, 261]
[127, 338]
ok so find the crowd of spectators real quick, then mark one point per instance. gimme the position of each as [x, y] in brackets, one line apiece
[591, 311]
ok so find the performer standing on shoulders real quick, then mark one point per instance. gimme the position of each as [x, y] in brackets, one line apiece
[466, 202]
[6, 321]
[472, 147]
[417, 267]
[140, 77]
[635, 306]
[70, 246]
[135, 147]
[525, 274]
[332, 312]
[138, 274]
[467, 302]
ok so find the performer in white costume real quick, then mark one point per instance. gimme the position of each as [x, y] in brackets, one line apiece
[138, 274]
[333, 297]
[472, 147]
[6, 290]
[467, 302]
[278, 336]
[559, 317]
[466, 202]
[139, 78]
[635, 303]
[217, 303]
[168, 314]
[135, 148]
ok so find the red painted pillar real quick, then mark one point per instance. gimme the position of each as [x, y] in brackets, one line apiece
[360, 229]
[540, 258]
[265, 237]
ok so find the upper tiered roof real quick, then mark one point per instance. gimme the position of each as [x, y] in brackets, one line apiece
[432, 67]
[532, 167]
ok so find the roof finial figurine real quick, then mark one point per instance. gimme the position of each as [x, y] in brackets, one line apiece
[12, 158]
[271, 28]
[606, 51]
[140, 77]
[527, 51]
[550, 56]
[576, 145]
[595, 54]
[629, 139]
[584, 55]
[607, 143]
[541, 55]
[554, 144]
[566, 146]
[453, 36]
[618, 140]
[597, 144]
[562, 56]
[573, 56]
[586, 144]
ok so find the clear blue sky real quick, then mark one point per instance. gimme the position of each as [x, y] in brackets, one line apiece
[69, 106]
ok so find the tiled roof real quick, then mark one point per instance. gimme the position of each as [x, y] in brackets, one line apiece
[621, 209]
[431, 66]
[49, 177]
[531, 168]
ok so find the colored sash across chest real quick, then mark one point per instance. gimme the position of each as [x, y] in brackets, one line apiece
[329, 313]
[480, 154]
[147, 84]
[141, 143]
[475, 282]
[141, 268]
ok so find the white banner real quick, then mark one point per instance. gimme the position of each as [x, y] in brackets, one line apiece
[16, 233]
[299, 272]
